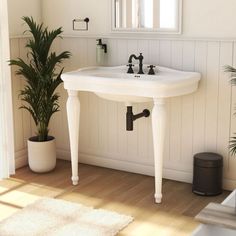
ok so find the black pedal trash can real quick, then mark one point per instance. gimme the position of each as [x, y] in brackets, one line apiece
[207, 174]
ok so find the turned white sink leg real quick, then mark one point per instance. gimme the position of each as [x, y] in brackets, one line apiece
[158, 131]
[73, 113]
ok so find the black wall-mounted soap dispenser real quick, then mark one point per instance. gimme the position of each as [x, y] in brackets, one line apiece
[102, 45]
[101, 49]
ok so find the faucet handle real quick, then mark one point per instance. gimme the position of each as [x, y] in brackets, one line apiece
[151, 70]
[130, 70]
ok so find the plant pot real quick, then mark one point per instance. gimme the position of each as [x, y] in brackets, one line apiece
[42, 155]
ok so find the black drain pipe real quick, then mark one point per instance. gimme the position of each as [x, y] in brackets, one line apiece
[130, 117]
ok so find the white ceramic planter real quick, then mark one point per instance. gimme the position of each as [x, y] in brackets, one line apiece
[42, 155]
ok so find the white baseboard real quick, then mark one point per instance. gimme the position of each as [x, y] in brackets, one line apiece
[177, 175]
[229, 184]
[127, 166]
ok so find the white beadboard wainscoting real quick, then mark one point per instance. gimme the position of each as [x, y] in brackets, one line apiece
[200, 122]
[22, 120]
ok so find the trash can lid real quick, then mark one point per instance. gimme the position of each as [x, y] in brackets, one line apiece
[208, 159]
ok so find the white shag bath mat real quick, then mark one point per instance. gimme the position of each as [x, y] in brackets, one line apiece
[62, 218]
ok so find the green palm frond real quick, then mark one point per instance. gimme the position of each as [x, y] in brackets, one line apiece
[53, 60]
[41, 76]
[231, 70]
[232, 145]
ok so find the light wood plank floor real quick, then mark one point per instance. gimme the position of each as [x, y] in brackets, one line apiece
[119, 191]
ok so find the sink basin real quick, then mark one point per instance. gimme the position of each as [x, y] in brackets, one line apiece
[113, 83]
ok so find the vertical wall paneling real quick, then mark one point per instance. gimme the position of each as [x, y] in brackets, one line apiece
[199, 116]
[91, 51]
[102, 124]
[112, 107]
[16, 85]
[93, 121]
[187, 106]
[22, 122]
[73, 45]
[212, 91]
[176, 106]
[82, 47]
[112, 52]
[165, 60]
[154, 55]
[122, 55]
[199, 122]
[224, 102]
[112, 124]
[231, 173]
[165, 53]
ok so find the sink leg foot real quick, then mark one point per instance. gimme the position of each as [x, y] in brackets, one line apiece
[158, 131]
[75, 180]
[158, 198]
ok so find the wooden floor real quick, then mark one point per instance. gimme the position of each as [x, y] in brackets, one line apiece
[119, 191]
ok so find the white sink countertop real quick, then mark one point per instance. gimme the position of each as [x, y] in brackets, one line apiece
[114, 80]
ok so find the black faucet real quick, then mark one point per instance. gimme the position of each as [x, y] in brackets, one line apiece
[140, 58]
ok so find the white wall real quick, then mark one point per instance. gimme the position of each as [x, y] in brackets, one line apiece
[201, 18]
[209, 18]
[19, 8]
[67, 10]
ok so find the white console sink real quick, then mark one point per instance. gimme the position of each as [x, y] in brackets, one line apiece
[113, 83]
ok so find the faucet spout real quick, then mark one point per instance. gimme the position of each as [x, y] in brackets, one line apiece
[140, 58]
[131, 57]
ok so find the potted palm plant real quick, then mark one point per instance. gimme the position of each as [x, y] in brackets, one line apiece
[38, 95]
